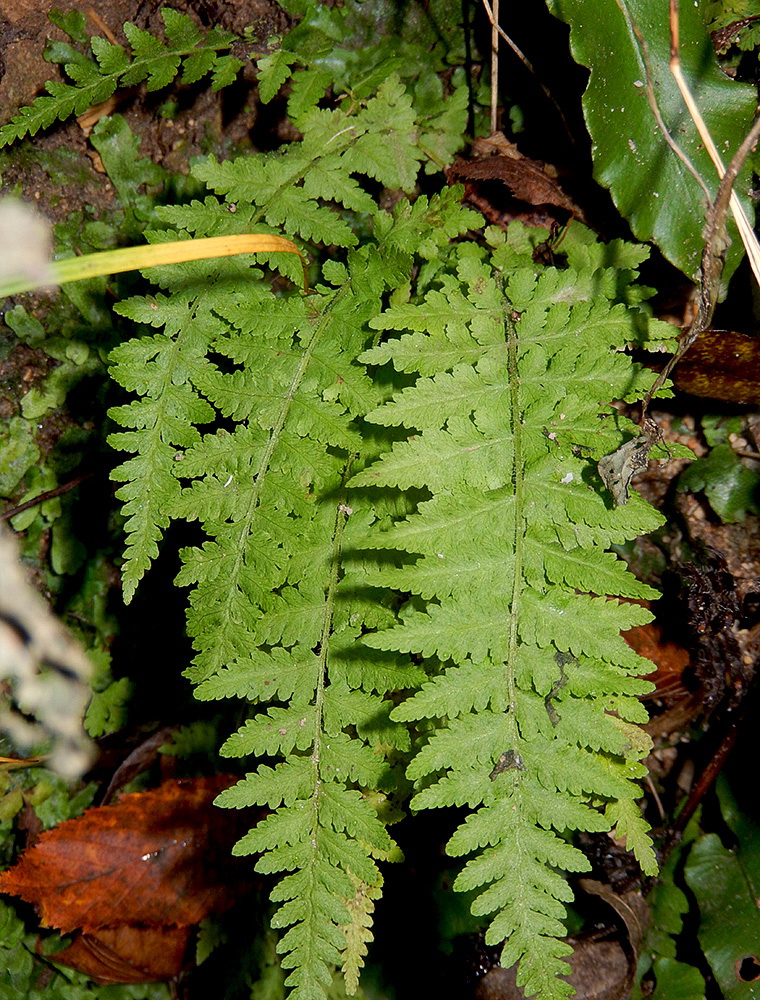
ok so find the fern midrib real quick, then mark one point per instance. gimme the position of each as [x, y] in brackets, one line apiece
[518, 482]
[274, 438]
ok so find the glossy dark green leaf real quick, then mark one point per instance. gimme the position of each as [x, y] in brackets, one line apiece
[651, 187]
[730, 487]
[726, 884]
[677, 981]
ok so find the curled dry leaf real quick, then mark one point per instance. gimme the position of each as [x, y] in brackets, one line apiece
[532, 182]
[131, 874]
[128, 953]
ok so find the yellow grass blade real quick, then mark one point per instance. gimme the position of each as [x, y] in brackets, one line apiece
[151, 255]
[746, 231]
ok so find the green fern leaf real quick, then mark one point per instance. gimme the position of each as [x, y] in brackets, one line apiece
[181, 31]
[163, 369]
[151, 60]
[224, 72]
[273, 71]
[276, 610]
[537, 692]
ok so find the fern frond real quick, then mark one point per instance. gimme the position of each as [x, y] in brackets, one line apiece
[271, 598]
[536, 684]
[276, 609]
[148, 59]
[274, 613]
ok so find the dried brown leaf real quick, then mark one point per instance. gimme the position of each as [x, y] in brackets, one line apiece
[156, 858]
[128, 953]
[530, 181]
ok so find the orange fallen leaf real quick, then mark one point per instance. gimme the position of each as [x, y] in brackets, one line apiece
[128, 954]
[671, 659]
[158, 858]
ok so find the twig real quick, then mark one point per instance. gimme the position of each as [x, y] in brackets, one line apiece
[101, 24]
[712, 260]
[47, 495]
[493, 16]
[618, 469]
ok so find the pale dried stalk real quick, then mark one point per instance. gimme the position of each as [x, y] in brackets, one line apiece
[493, 14]
[746, 231]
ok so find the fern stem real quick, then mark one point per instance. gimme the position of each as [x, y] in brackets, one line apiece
[518, 481]
[319, 699]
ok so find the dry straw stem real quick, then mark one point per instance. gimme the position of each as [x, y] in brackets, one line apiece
[152, 255]
[492, 13]
[493, 17]
[618, 469]
[649, 77]
[745, 227]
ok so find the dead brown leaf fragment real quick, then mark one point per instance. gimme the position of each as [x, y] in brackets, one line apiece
[159, 858]
[532, 182]
[128, 954]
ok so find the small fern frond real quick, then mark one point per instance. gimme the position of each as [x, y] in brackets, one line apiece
[149, 59]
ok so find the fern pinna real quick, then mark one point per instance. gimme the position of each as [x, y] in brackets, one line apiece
[96, 77]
